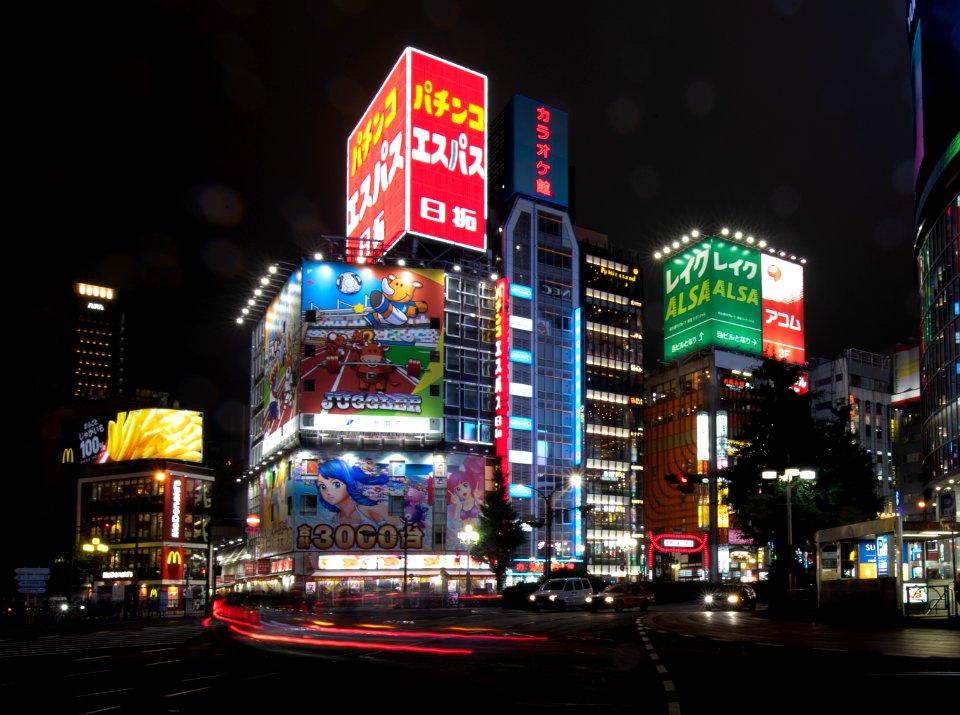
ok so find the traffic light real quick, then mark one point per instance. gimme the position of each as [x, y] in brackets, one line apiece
[686, 483]
[682, 481]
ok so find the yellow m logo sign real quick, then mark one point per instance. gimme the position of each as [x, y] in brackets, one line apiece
[174, 557]
[67, 456]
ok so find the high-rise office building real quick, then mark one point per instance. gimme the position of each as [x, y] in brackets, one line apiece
[96, 370]
[613, 427]
[936, 85]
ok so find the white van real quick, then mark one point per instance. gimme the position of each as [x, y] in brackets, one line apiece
[562, 593]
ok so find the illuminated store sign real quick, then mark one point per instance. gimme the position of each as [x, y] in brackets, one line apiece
[537, 163]
[176, 505]
[501, 376]
[723, 294]
[417, 160]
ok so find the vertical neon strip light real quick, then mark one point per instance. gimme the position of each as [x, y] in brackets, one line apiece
[577, 389]
[578, 427]
[501, 377]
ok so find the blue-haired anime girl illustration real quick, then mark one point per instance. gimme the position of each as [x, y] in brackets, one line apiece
[340, 489]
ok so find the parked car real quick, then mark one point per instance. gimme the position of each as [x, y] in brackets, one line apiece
[619, 596]
[562, 593]
[730, 597]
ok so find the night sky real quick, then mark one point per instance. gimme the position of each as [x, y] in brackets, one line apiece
[172, 149]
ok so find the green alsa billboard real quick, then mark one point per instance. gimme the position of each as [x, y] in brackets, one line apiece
[711, 297]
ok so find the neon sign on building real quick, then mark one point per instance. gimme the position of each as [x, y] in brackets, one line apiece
[501, 376]
[417, 159]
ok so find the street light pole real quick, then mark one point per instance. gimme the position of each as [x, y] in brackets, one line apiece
[406, 525]
[575, 480]
[789, 474]
[549, 502]
[468, 537]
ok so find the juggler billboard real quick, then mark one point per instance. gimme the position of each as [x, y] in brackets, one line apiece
[722, 294]
[372, 357]
[417, 159]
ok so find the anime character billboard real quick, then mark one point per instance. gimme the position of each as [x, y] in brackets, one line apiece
[363, 505]
[281, 364]
[372, 358]
[466, 486]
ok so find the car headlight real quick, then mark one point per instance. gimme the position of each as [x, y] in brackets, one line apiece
[708, 598]
[589, 599]
[533, 597]
[553, 597]
[733, 598]
[608, 599]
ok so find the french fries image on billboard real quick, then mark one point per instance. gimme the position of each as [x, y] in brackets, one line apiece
[156, 433]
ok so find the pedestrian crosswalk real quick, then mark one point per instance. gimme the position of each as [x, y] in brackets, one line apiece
[147, 636]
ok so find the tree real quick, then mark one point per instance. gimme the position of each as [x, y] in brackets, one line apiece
[501, 531]
[782, 432]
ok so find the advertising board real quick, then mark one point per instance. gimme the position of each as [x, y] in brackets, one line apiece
[723, 294]
[372, 349]
[417, 159]
[150, 433]
[537, 161]
[282, 338]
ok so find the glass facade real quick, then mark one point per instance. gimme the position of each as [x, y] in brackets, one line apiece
[937, 264]
[613, 355]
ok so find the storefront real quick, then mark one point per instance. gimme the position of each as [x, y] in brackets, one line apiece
[889, 566]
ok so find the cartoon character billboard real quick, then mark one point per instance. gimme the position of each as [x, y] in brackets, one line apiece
[364, 505]
[466, 486]
[281, 364]
[373, 354]
[417, 159]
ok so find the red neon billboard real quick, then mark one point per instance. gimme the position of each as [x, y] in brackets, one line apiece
[501, 376]
[417, 160]
[782, 290]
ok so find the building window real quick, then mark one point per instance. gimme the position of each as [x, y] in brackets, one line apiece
[308, 504]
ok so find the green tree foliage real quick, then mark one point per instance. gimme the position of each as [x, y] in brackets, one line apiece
[501, 531]
[781, 432]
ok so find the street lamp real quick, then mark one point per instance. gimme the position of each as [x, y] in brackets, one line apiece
[468, 537]
[99, 548]
[789, 474]
[407, 520]
[517, 490]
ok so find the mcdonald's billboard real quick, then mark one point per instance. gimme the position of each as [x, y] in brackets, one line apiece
[152, 433]
[172, 568]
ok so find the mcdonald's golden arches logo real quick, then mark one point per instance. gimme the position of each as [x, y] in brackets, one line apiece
[67, 456]
[174, 557]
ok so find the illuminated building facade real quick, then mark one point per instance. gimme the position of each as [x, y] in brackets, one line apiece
[539, 378]
[372, 365]
[96, 371]
[729, 299]
[613, 428]
[936, 85]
